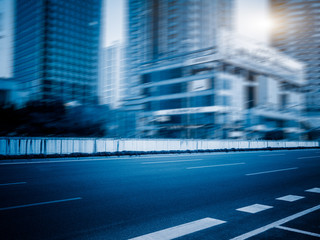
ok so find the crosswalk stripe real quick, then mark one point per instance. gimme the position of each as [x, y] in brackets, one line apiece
[254, 208]
[290, 198]
[314, 190]
[181, 230]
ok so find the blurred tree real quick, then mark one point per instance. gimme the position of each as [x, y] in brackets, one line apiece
[53, 119]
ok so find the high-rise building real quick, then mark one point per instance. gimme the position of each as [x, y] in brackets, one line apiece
[6, 38]
[197, 79]
[56, 49]
[111, 89]
[159, 29]
[297, 34]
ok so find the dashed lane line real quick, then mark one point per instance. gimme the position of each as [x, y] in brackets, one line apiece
[299, 231]
[309, 157]
[275, 224]
[290, 198]
[181, 230]
[15, 183]
[173, 161]
[40, 203]
[255, 208]
[271, 155]
[272, 171]
[219, 165]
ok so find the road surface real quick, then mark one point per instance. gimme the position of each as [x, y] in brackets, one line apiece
[239, 195]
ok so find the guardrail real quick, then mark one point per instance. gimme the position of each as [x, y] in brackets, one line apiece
[63, 146]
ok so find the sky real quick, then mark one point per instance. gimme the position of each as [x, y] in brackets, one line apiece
[251, 20]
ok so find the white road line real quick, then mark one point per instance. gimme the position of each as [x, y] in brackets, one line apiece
[220, 165]
[270, 155]
[173, 161]
[299, 231]
[275, 224]
[272, 171]
[255, 208]
[290, 198]
[15, 183]
[309, 157]
[40, 203]
[314, 190]
[181, 230]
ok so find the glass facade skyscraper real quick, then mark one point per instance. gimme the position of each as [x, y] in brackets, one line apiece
[297, 34]
[56, 49]
[194, 78]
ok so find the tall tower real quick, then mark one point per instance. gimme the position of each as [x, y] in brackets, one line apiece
[163, 28]
[56, 49]
[112, 74]
[159, 29]
[297, 33]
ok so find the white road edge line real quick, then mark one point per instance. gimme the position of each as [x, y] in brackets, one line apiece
[309, 157]
[220, 165]
[40, 203]
[299, 231]
[181, 230]
[173, 161]
[15, 183]
[275, 224]
[272, 171]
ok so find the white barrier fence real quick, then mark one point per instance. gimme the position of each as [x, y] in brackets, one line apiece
[47, 146]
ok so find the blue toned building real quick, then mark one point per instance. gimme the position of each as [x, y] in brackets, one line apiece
[111, 89]
[194, 78]
[297, 34]
[56, 48]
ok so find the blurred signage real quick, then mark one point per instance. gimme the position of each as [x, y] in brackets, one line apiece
[247, 53]
[199, 85]
[192, 110]
[163, 119]
[202, 59]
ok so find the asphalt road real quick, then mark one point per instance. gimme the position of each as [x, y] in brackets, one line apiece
[255, 195]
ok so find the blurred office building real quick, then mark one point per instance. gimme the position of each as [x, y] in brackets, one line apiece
[297, 34]
[196, 79]
[8, 92]
[111, 86]
[56, 48]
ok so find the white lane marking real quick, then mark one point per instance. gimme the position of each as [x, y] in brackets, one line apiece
[40, 203]
[15, 183]
[314, 190]
[309, 157]
[299, 231]
[275, 224]
[181, 230]
[272, 171]
[173, 161]
[220, 165]
[270, 155]
[290, 198]
[255, 208]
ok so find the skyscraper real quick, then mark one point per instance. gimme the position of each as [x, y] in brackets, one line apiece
[194, 78]
[163, 28]
[112, 75]
[6, 37]
[56, 49]
[297, 34]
